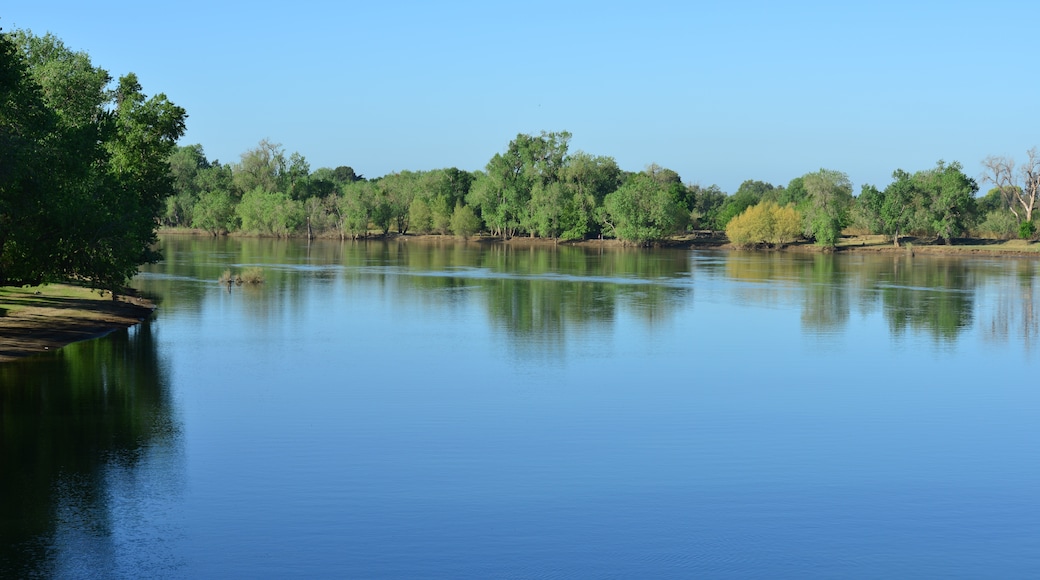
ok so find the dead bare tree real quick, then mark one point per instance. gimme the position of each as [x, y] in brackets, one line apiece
[1020, 198]
[1031, 181]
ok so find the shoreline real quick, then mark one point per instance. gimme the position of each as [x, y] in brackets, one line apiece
[35, 320]
[46, 318]
[849, 244]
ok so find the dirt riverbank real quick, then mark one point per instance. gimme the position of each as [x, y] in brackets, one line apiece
[40, 319]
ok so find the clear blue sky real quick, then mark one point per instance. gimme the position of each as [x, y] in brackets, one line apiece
[718, 91]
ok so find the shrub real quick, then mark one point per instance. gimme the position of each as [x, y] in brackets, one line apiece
[1026, 230]
[1000, 224]
[765, 223]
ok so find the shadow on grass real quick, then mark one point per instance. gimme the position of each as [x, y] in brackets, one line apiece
[981, 242]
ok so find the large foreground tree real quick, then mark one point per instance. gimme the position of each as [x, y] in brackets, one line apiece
[85, 170]
[27, 188]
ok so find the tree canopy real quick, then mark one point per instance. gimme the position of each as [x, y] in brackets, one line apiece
[828, 199]
[85, 166]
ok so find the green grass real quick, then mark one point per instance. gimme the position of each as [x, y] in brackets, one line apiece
[16, 298]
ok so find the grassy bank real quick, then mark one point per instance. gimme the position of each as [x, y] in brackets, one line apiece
[44, 318]
[961, 247]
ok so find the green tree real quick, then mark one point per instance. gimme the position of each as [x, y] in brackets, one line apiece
[264, 166]
[435, 195]
[345, 174]
[217, 177]
[865, 213]
[270, 213]
[394, 194]
[504, 193]
[452, 183]
[950, 195]
[993, 200]
[296, 180]
[794, 194]
[828, 199]
[214, 212]
[107, 173]
[29, 165]
[671, 181]
[420, 217]
[321, 214]
[895, 211]
[550, 205]
[484, 199]
[755, 189]
[185, 164]
[588, 180]
[355, 208]
[49, 237]
[642, 210]
[735, 205]
[145, 133]
[464, 221]
[708, 201]
[71, 86]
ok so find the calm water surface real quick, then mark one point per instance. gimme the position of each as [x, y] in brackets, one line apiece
[462, 410]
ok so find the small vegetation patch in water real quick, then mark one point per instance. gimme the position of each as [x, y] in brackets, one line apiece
[252, 276]
[247, 276]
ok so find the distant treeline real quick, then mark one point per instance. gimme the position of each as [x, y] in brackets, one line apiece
[538, 188]
[88, 170]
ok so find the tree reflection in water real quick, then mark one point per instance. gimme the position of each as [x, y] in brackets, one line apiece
[77, 424]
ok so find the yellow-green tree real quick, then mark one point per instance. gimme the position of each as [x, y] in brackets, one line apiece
[765, 223]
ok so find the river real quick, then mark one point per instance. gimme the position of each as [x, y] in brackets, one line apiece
[464, 410]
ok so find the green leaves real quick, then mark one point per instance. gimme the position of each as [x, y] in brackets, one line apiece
[829, 196]
[643, 210]
[464, 221]
[94, 174]
[214, 212]
[951, 197]
[270, 213]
